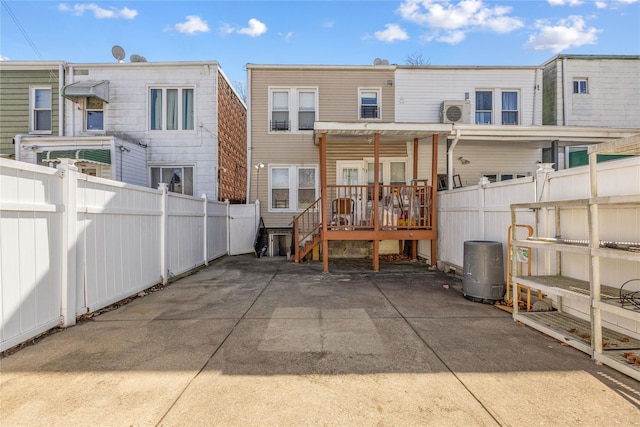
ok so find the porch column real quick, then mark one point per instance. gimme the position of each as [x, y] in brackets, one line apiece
[376, 189]
[323, 201]
[414, 243]
[434, 195]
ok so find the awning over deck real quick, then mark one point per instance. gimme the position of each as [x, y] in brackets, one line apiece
[96, 157]
[87, 89]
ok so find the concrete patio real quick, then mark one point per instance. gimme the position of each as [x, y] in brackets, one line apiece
[249, 341]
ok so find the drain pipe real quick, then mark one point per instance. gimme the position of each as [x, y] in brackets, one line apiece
[450, 161]
[61, 103]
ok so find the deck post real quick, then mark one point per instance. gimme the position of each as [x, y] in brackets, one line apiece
[323, 196]
[376, 191]
[434, 195]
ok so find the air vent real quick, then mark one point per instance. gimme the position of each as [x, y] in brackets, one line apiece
[454, 112]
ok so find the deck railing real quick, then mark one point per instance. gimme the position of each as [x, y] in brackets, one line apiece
[398, 207]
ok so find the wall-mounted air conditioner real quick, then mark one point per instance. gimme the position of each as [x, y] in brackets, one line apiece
[455, 111]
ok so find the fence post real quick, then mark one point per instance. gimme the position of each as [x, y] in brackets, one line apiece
[69, 242]
[484, 181]
[228, 206]
[164, 272]
[204, 228]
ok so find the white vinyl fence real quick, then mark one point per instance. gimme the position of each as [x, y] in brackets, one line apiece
[72, 243]
[482, 212]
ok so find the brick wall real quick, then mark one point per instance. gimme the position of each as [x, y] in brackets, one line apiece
[232, 144]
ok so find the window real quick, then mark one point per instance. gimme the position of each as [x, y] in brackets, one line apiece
[503, 176]
[280, 111]
[171, 109]
[580, 86]
[293, 187]
[392, 171]
[179, 179]
[484, 107]
[506, 102]
[94, 114]
[292, 109]
[369, 103]
[510, 108]
[41, 113]
[306, 110]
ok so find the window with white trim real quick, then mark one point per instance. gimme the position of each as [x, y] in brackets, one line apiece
[509, 108]
[41, 110]
[506, 104]
[94, 114]
[392, 171]
[580, 86]
[292, 109]
[292, 187]
[369, 104]
[171, 108]
[179, 179]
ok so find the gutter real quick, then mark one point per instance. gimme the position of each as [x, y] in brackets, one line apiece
[450, 160]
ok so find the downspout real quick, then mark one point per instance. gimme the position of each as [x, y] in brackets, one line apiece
[450, 161]
[249, 156]
[536, 97]
[60, 100]
[72, 115]
[17, 142]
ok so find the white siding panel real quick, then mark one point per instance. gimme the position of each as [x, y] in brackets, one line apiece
[420, 92]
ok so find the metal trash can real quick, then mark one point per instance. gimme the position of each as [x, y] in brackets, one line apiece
[483, 271]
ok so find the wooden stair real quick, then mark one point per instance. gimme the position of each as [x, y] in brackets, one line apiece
[307, 247]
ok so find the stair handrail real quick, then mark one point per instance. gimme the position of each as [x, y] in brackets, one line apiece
[306, 224]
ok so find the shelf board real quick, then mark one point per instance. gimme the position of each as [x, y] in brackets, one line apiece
[616, 360]
[555, 285]
[614, 306]
[576, 332]
[551, 245]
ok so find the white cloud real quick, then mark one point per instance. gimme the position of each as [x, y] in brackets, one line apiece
[570, 32]
[99, 12]
[565, 2]
[287, 37]
[601, 5]
[193, 24]
[449, 22]
[453, 37]
[464, 15]
[255, 28]
[3, 58]
[392, 33]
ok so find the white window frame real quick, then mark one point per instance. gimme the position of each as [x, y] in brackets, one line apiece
[581, 81]
[86, 115]
[499, 176]
[378, 91]
[33, 110]
[172, 166]
[517, 110]
[163, 126]
[293, 186]
[293, 108]
[496, 106]
[386, 168]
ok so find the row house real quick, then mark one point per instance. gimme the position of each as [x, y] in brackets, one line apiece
[179, 123]
[347, 160]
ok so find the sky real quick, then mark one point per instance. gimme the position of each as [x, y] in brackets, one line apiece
[234, 33]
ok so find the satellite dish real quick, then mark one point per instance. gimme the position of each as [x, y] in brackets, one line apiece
[377, 61]
[137, 58]
[385, 62]
[117, 53]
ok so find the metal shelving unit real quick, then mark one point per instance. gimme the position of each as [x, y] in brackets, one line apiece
[586, 334]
